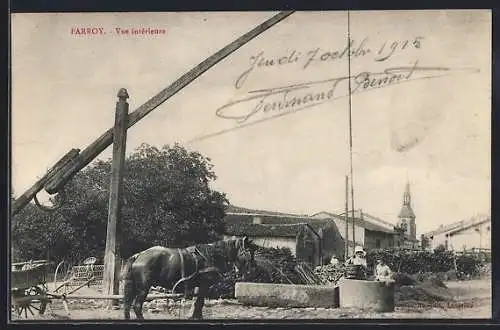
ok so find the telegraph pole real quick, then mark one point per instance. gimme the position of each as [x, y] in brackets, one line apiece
[346, 216]
[350, 124]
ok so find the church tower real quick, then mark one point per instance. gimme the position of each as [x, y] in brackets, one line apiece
[407, 216]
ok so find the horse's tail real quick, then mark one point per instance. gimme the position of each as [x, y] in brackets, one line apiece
[127, 278]
[126, 271]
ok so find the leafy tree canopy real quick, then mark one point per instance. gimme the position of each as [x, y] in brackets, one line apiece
[166, 200]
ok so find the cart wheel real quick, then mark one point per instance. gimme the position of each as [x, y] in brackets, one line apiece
[38, 303]
[41, 302]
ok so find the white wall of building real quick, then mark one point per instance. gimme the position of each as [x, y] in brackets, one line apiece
[478, 236]
[359, 231]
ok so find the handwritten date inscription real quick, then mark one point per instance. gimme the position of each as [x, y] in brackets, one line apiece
[318, 55]
[266, 103]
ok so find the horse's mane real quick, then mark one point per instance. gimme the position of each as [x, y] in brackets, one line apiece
[213, 251]
[218, 251]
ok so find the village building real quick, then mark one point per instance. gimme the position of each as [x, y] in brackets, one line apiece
[369, 231]
[301, 239]
[316, 238]
[299, 233]
[310, 240]
[470, 234]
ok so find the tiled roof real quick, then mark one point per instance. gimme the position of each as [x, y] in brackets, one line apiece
[374, 227]
[264, 230]
[460, 225]
[319, 220]
[277, 218]
[367, 224]
[239, 209]
[327, 215]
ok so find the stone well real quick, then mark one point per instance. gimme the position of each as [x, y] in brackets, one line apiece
[372, 295]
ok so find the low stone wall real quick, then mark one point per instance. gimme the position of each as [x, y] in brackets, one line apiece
[287, 295]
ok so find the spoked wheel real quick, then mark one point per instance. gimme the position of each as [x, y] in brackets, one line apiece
[32, 300]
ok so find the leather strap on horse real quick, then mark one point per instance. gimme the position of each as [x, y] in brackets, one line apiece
[183, 272]
[201, 254]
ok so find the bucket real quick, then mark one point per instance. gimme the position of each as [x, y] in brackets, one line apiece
[354, 272]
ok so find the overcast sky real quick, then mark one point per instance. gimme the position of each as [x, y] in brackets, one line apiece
[432, 128]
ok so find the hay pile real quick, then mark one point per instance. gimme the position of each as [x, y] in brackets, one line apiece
[329, 274]
[272, 265]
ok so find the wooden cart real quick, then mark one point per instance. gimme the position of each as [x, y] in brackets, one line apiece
[29, 287]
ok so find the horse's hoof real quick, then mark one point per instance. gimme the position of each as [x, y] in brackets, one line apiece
[195, 318]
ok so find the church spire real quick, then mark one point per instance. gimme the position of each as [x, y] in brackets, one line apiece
[407, 216]
[406, 209]
[407, 195]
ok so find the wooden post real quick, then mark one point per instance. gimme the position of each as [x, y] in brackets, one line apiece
[361, 218]
[112, 252]
[346, 252]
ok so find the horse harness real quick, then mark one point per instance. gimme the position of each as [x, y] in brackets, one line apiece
[185, 278]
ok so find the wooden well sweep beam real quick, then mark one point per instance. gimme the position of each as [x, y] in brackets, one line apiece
[55, 182]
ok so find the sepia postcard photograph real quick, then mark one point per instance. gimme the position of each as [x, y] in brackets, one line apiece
[311, 165]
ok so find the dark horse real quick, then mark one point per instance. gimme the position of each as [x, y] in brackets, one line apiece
[197, 266]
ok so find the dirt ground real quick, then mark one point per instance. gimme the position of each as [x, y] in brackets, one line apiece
[472, 299]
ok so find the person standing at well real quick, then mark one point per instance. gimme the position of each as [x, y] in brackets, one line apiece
[359, 257]
[358, 261]
[382, 271]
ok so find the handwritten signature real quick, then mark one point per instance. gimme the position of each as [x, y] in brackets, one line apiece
[281, 100]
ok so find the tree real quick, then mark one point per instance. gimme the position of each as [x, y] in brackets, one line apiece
[36, 234]
[167, 200]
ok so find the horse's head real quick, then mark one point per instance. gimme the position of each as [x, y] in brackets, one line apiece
[245, 262]
[239, 252]
[244, 250]
[236, 245]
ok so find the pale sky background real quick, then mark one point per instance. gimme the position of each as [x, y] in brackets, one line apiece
[64, 93]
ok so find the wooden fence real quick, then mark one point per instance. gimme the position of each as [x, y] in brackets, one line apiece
[81, 274]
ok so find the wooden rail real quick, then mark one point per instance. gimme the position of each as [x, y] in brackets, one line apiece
[100, 296]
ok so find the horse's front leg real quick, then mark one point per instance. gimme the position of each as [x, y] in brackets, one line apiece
[200, 292]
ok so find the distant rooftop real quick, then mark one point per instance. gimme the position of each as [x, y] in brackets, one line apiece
[316, 220]
[460, 225]
[239, 209]
[264, 230]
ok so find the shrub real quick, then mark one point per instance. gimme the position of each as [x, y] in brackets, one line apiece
[402, 279]
[423, 261]
[469, 264]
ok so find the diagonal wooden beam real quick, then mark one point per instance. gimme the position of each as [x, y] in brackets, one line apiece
[98, 146]
[56, 181]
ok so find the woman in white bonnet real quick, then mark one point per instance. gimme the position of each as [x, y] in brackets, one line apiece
[359, 257]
